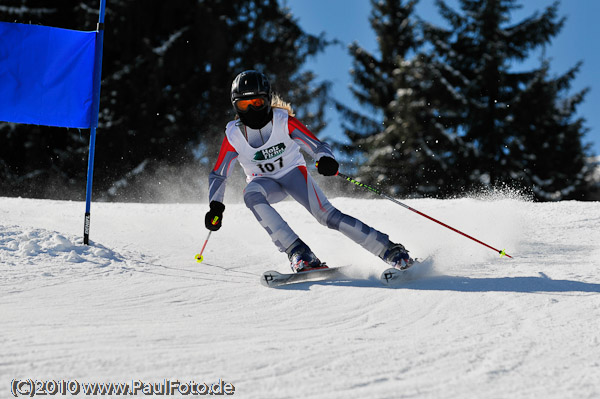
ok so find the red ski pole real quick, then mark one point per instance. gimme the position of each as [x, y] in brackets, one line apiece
[378, 192]
[199, 258]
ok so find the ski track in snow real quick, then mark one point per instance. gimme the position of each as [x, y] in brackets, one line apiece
[135, 305]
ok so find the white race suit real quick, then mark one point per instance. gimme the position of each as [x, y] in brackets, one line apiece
[274, 168]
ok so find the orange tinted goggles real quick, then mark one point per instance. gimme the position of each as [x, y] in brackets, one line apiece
[243, 105]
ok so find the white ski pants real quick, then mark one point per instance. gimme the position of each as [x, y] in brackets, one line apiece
[261, 192]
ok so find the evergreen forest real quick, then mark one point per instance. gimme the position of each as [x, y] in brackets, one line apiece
[443, 110]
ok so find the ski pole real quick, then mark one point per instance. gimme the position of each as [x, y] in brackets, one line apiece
[199, 258]
[378, 192]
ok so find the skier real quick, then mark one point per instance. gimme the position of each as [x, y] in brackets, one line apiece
[265, 138]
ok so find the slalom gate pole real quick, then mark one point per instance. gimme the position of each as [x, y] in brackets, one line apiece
[378, 192]
[94, 122]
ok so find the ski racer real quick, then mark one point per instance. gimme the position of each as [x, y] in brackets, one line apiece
[266, 138]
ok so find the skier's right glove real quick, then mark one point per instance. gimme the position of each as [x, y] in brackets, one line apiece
[327, 166]
[213, 218]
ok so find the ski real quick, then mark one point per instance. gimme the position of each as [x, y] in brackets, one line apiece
[272, 278]
[389, 277]
[393, 276]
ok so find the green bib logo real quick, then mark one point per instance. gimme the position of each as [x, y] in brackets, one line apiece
[270, 152]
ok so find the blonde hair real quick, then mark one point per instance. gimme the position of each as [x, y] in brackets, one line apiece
[277, 102]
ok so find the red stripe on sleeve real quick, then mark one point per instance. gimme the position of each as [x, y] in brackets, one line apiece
[294, 123]
[225, 148]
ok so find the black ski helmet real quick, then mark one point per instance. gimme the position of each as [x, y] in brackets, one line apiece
[252, 84]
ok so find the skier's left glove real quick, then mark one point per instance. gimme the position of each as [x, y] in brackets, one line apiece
[213, 218]
[327, 166]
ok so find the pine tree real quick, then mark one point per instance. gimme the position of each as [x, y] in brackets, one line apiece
[547, 147]
[475, 59]
[407, 151]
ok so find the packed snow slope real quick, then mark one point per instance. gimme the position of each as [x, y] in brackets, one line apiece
[135, 305]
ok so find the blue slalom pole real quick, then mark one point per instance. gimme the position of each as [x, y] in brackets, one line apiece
[94, 120]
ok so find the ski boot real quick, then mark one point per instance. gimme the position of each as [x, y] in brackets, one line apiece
[302, 258]
[397, 256]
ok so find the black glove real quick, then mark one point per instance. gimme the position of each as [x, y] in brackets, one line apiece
[327, 166]
[216, 211]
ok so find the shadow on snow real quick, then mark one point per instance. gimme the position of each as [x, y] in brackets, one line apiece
[531, 284]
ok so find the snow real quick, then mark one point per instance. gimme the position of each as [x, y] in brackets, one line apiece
[22, 10]
[162, 49]
[594, 164]
[136, 306]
